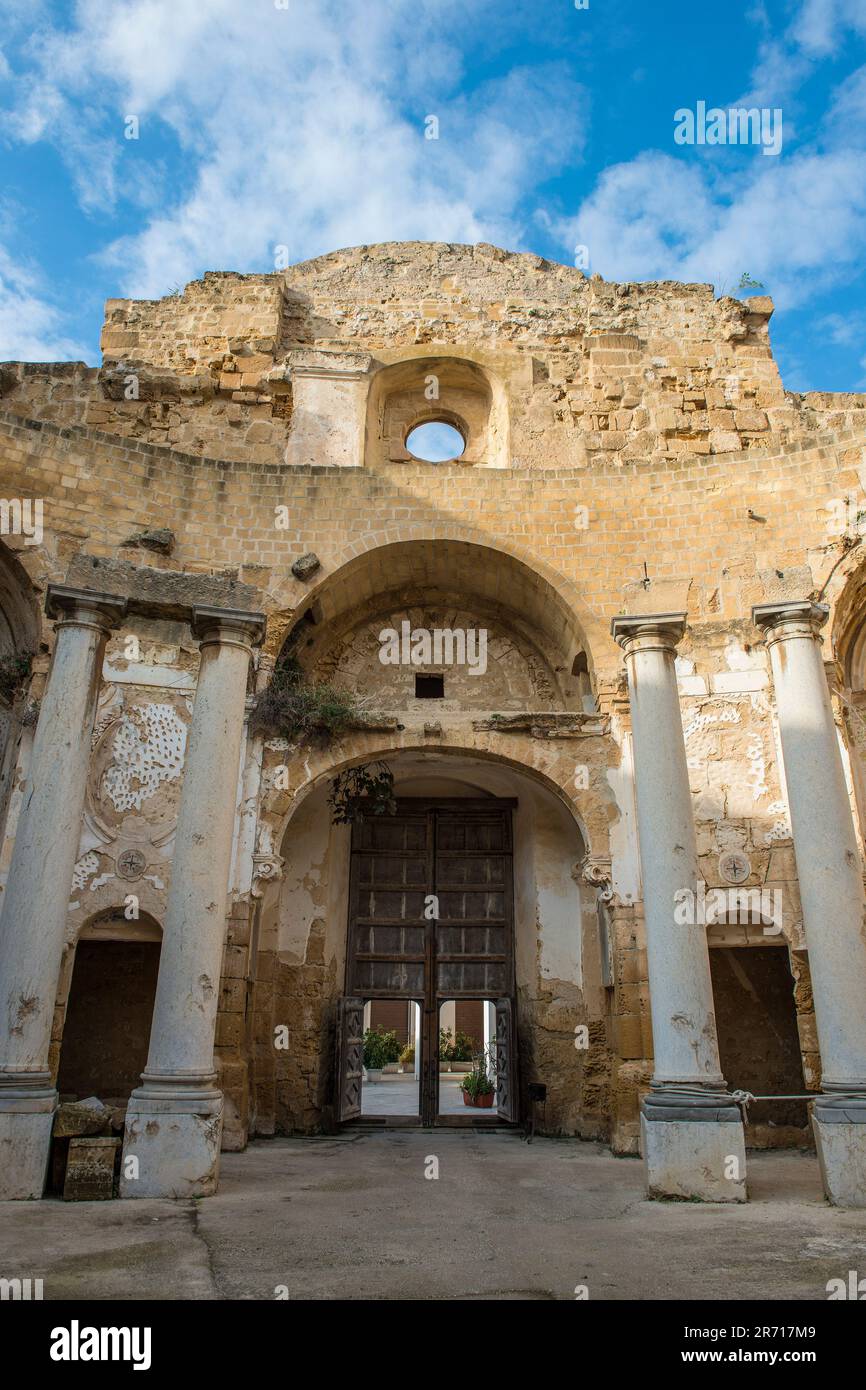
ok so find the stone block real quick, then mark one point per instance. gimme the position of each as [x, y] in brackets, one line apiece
[177, 1152]
[79, 1118]
[25, 1142]
[90, 1170]
[842, 1161]
[627, 1037]
[691, 1160]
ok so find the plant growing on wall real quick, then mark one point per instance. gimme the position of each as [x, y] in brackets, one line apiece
[14, 671]
[303, 711]
[362, 791]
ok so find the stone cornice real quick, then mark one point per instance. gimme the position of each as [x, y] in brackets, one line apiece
[790, 618]
[648, 631]
[69, 605]
[227, 625]
[547, 724]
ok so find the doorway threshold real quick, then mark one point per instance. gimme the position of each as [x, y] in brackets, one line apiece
[373, 1124]
[384, 1122]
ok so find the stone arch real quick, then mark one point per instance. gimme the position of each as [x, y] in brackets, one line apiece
[848, 632]
[447, 387]
[558, 937]
[19, 638]
[426, 557]
[591, 808]
[848, 645]
[19, 616]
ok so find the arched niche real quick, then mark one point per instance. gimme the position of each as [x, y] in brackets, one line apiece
[539, 656]
[447, 389]
[109, 990]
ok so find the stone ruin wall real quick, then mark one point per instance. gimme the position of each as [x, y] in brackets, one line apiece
[656, 408]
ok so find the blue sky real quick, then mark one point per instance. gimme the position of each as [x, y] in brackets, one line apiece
[301, 124]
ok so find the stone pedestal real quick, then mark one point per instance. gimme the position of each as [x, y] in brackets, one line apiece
[174, 1140]
[36, 901]
[842, 1161]
[174, 1119]
[693, 1160]
[830, 875]
[692, 1132]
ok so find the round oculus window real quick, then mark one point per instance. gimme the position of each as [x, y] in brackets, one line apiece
[435, 442]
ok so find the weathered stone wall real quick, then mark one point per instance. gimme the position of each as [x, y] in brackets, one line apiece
[629, 448]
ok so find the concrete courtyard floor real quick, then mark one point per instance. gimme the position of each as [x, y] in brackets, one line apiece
[353, 1217]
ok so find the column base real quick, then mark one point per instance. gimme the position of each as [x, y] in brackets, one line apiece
[26, 1122]
[842, 1160]
[692, 1159]
[174, 1139]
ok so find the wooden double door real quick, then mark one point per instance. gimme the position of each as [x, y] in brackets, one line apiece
[431, 918]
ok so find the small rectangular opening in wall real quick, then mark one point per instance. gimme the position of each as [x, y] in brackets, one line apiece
[429, 687]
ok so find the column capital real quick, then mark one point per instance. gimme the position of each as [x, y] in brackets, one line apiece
[69, 606]
[648, 631]
[227, 627]
[790, 618]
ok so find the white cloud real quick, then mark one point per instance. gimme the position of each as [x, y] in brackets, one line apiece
[798, 225]
[304, 128]
[31, 327]
[843, 330]
[796, 222]
[821, 25]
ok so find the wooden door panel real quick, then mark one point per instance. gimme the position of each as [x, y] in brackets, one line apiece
[387, 894]
[460, 854]
[350, 1057]
[393, 871]
[471, 980]
[377, 940]
[506, 1069]
[474, 931]
[389, 979]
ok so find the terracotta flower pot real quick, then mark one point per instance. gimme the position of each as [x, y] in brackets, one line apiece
[480, 1102]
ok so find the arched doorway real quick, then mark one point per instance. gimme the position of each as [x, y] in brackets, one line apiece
[303, 945]
[758, 1022]
[431, 922]
[494, 700]
[109, 1009]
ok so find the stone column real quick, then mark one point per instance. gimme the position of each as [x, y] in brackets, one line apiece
[174, 1120]
[691, 1128]
[830, 876]
[36, 901]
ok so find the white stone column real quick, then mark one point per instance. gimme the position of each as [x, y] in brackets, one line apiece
[174, 1120]
[36, 900]
[691, 1128]
[830, 875]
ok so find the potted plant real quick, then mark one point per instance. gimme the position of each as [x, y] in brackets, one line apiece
[380, 1048]
[446, 1049]
[463, 1050]
[407, 1057]
[477, 1087]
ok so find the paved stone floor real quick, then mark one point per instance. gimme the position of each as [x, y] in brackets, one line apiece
[354, 1217]
[398, 1096]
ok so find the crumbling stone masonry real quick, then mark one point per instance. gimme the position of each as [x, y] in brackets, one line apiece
[664, 550]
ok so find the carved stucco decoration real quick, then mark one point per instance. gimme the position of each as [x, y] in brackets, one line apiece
[596, 870]
[135, 774]
[267, 868]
